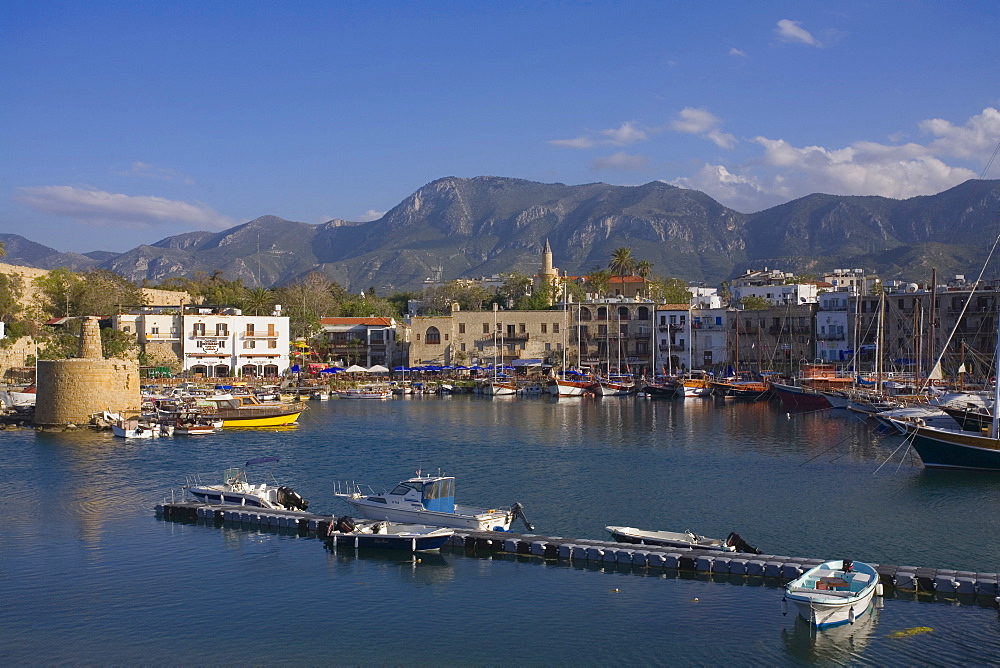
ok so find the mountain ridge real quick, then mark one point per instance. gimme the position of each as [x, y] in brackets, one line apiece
[486, 225]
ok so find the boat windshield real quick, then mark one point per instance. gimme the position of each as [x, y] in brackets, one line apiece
[402, 488]
[233, 476]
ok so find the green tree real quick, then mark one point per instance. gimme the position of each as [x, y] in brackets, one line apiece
[3, 249]
[55, 291]
[671, 290]
[754, 303]
[103, 292]
[11, 291]
[599, 281]
[307, 300]
[515, 287]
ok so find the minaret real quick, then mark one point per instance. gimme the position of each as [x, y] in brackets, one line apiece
[547, 260]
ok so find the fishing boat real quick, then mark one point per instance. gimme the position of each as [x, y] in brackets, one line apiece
[735, 388]
[682, 539]
[666, 388]
[135, 428]
[236, 489]
[616, 385]
[499, 386]
[572, 384]
[246, 410]
[346, 532]
[835, 592]
[695, 384]
[428, 500]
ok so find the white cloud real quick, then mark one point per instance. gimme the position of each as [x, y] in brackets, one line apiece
[793, 33]
[104, 209]
[621, 160]
[628, 132]
[737, 52]
[974, 140]
[369, 215]
[702, 122]
[145, 170]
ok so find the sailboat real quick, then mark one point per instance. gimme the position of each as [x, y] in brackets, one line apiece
[497, 386]
[570, 383]
[616, 384]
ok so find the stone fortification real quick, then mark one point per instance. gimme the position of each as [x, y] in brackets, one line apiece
[71, 390]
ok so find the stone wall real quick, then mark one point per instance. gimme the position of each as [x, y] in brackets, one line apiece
[71, 390]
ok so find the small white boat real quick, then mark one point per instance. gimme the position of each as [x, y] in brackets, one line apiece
[235, 489]
[133, 428]
[835, 592]
[685, 539]
[366, 392]
[429, 500]
[347, 532]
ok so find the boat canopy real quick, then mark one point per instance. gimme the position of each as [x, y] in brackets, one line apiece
[437, 494]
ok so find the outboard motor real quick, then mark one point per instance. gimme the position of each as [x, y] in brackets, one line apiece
[517, 512]
[848, 565]
[289, 498]
[345, 524]
[735, 540]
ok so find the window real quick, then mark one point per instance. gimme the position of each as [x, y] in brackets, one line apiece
[273, 343]
[250, 343]
[545, 328]
[446, 336]
[555, 328]
[199, 329]
[433, 336]
[522, 328]
[461, 328]
[221, 329]
[152, 330]
[462, 347]
[548, 347]
[486, 328]
[249, 329]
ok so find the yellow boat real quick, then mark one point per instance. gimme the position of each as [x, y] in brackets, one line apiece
[246, 410]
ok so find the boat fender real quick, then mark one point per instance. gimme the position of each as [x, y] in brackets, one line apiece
[851, 616]
[878, 589]
[784, 606]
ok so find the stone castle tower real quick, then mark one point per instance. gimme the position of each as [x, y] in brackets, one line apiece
[71, 390]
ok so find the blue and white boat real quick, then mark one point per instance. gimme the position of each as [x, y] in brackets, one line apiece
[346, 532]
[428, 500]
[835, 592]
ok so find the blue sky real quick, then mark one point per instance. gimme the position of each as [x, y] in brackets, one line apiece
[124, 123]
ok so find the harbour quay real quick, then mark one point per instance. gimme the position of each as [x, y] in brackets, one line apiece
[944, 585]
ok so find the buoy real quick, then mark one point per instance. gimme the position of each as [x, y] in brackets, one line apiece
[695, 600]
[614, 591]
[784, 606]
[850, 615]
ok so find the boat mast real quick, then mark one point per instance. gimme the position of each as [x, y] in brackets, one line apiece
[995, 424]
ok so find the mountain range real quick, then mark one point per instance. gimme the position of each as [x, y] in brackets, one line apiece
[469, 227]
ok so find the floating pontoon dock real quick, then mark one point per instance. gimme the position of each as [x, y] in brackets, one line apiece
[956, 586]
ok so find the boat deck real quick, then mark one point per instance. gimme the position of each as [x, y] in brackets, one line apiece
[951, 586]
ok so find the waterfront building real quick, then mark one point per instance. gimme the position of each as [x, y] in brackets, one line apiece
[615, 334]
[364, 341]
[476, 337]
[774, 286]
[673, 337]
[833, 326]
[777, 338]
[215, 341]
[709, 337]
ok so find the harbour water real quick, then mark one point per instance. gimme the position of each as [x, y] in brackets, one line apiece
[91, 576]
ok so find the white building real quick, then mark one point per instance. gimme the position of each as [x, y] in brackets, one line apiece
[708, 337]
[673, 331]
[212, 340]
[833, 340]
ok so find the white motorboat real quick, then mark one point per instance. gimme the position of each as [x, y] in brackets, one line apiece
[428, 500]
[366, 392]
[135, 428]
[236, 489]
[686, 539]
[835, 592]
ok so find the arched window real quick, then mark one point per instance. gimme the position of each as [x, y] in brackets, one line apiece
[623, 313]
[602, 313]
[249, 370]
[271, 370]
[584, 314]
[199, 369]
[432, 336]
[221, 370]
[643, 313]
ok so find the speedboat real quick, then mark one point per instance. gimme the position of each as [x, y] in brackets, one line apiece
[346, 532]
[366, 392]
[835, 592]
[429, 500]
[685, 539]
[135, 428]
[235, 489]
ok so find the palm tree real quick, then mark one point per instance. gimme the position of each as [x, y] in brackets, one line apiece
[643, 268]
[258, 299]
[622, 264]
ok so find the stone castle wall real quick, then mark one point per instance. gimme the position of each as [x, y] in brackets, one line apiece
[71, 390]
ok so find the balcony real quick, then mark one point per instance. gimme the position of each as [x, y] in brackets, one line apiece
[673, 347]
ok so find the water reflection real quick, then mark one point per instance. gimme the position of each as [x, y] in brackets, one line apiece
[836, 645]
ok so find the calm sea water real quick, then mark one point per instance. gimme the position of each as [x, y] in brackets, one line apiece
[90, 576]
